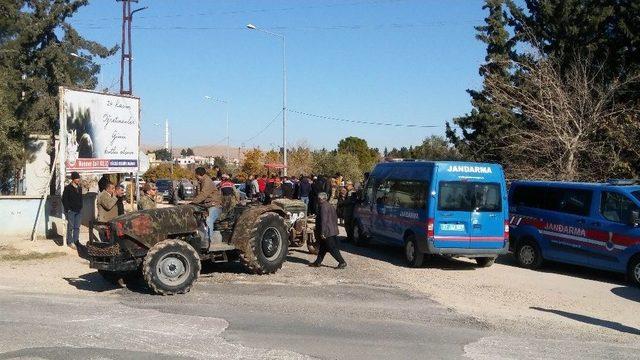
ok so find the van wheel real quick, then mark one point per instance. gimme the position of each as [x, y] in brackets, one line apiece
[528, 254]
[412, 255]
[634, 270]
[485, 261]
[358, 238]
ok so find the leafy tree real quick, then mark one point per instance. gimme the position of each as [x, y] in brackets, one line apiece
[186, 152]
[347, 165]
[272, 156]
[323, 162]
[300, 160]
[432, 148]
[166, 171]
[482, 130]
[220, 162]
[253, 162]
[163, 154]
[367, 157]
[331, 162]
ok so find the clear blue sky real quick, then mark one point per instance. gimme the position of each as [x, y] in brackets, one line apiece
[403, 61]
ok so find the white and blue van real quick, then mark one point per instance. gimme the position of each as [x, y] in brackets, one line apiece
[443, 208]
[596, 225]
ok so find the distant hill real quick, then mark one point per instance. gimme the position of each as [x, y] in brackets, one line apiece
[202, 150]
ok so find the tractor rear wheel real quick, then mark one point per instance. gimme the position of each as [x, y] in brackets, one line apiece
[267, 247]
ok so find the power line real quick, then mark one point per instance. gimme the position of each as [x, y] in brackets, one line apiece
[265, 128]
[383, 26]
[362, 122]
[254, 11]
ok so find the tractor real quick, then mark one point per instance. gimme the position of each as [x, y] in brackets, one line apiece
[167, 245]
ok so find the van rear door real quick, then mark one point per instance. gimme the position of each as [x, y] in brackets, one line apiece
[452, 216]
[487, 217]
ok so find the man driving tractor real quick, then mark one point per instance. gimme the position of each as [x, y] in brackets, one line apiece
[208, 196]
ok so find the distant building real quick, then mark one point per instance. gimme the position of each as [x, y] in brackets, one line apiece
[185, 161]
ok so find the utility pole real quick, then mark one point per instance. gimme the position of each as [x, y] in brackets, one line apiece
[127, 18]
[128, 58]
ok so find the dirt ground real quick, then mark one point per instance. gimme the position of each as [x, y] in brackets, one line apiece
[560, 299]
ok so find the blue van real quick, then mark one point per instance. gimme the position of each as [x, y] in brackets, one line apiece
[588, 224]
[444, 208]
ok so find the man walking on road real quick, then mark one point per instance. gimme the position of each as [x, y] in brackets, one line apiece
[328, 232]
[72, 203]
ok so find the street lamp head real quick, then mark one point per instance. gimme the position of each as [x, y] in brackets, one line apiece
[251, 26]
[74, 55]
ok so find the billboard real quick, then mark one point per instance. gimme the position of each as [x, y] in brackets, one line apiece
[99, 133]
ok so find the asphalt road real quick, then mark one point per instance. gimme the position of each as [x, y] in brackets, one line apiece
[295, 314]
[235, 320]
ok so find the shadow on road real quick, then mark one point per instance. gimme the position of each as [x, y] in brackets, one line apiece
[231, 267]
[570, 270]
[394, 255]
[297, 260]
[66, 353]
[95, 282]
[627, 292]
[591, 320]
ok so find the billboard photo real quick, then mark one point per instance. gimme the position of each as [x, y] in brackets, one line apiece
[99, 132]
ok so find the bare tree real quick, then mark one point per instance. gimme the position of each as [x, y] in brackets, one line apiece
[573, 125]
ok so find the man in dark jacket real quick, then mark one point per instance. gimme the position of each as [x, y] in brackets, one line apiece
[288, 188]
[327, 230]
[304, 189]
[72, 203]
[319, 186]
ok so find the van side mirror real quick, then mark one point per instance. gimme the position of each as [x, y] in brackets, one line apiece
[634, 219]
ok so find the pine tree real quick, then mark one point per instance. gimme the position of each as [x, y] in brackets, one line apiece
[482, 131]
[605, 33]
[36, 43]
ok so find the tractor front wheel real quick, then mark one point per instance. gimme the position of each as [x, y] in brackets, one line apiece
[171, 267]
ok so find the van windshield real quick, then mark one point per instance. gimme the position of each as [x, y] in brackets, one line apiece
[469, 196]
[636, 194]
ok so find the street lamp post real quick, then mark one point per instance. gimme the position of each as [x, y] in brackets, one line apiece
[226, 106]
[284, 90]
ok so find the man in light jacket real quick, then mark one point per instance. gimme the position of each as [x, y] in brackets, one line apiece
[107, 204]
[327, 220]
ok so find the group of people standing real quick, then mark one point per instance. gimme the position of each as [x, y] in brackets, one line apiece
[328, 199]
[109, 204]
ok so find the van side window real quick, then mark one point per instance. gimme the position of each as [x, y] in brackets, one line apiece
[529, 196]
[616, 207]
[384, 197]
[570, 201]
[409, 194]
[368, 193]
